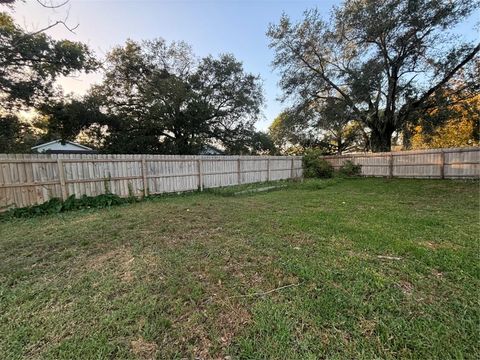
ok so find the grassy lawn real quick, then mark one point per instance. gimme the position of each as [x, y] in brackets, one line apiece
[370, 268]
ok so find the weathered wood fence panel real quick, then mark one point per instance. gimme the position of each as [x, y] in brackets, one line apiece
[29, 179]
[451, 163]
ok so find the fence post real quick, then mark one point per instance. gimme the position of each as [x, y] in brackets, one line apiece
[292, 175]
[301, 169]
[239, 174]
[268, 169]
[442, 165]
[200, 174]
[144, 176]
[390, 166]
[61, 176]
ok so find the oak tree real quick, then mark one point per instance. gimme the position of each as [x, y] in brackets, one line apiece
[160, 98]
[383, 59]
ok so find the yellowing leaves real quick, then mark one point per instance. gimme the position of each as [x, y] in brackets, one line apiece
[459, 131]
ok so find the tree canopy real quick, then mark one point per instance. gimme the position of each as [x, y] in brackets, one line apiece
[160, 98]
[373, 70]
[31, 62]
[458, 126]
[383, 59]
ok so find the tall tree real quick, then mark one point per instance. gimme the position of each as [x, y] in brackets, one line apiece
[160, 98]
[453, 114]
[384, 58]
[31, 62]
[292, 134]
[341, 132]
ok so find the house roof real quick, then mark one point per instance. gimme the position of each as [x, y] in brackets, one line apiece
[59, 141]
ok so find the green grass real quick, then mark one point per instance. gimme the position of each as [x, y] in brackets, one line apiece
[182, 277]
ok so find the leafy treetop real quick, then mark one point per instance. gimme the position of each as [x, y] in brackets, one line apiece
[383, 59]
[31, 62]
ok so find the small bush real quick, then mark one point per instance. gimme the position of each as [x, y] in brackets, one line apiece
[56, 205]
[316, 167]
[350, 169]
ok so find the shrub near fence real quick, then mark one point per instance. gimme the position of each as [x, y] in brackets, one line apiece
[29, 179]
[453, 163]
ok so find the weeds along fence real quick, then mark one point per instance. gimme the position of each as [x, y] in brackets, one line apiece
[452, 163]
[29, 179]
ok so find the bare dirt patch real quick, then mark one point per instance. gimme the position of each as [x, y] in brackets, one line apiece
[406, 287]
[212, 341]
[144, 349]
[121, 259]
[368, 327]
[437, 245]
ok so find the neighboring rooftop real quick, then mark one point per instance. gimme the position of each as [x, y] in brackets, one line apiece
[61, 147]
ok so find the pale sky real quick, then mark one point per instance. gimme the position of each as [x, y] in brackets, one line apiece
[211, 27]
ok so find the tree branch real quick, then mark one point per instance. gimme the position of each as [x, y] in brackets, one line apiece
[52, 6]
[330, 82]
[58, 22]
[416, 104]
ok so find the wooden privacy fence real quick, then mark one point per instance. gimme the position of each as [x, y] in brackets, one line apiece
[28, 179]
[453, 163]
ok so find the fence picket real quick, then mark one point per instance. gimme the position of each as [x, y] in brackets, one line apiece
[36, 178]
[451, 163]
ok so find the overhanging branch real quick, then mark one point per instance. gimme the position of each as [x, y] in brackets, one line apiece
[417, 103]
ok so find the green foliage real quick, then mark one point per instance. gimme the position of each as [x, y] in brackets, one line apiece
[67, 117]
[316, 167]
[292, 133]
[31, 62]
[56, 205]
[368, 58]
[160, 98]
[251, 143]
[349, 168]
[327, 124]
[16, 136]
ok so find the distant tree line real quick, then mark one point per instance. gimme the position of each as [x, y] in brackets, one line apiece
[376, 73]
[154, 97]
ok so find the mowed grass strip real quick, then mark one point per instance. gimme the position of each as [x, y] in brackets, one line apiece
[364, 268]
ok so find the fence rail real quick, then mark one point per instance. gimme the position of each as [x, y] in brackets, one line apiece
[29, 179]
[451, 163]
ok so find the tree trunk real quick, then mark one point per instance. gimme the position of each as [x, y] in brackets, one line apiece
[407, 136]
[381, 141]
[339, 146]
